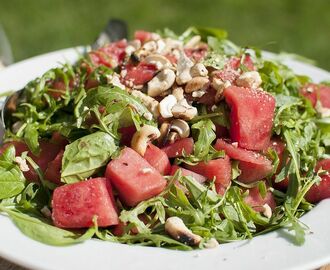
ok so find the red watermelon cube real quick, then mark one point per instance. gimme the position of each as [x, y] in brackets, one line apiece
[75, 205]
[317, 92]
[198, 177]
[252, 113]
[217, 169]
[179, 147]
[134, 178]
[253, 166]
[158, 159]
[256, 201]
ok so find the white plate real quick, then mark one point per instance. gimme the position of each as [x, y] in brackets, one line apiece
[271, 251]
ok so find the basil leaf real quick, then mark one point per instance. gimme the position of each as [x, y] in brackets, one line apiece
[12, 180]
[43, 232]
[85, 156]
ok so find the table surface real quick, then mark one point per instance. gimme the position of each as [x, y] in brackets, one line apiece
[5, 265]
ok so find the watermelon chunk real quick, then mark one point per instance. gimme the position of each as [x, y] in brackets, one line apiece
[111, 55]
[158, 159]
[48, 152]
[198, 177]
[253, 166]
[134, 178]
[53, 172]
[321, 191]
[143, 36]
[140, 74]
[256, 201]
[252, 113]
[218, 169]
[315, 92]
[75, 205]
[180, 147]
[126, 135]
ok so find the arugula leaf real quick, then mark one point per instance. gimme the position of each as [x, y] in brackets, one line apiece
[203, 150]
[85, 156]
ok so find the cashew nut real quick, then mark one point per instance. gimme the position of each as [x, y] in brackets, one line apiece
[141, 138]
[199, 70]
[184, 111]
[181, 127]
[158, 60]
[219, 86]
[149, 102]
[166, 105]
[147, 48]
[133, 46]
[267, 211]
[211, 243]
[249, 79]
[183, 69]
[196, 83]
[178, 93]
[176, 228]
[22, 164]
[115, 80]
[161, 82]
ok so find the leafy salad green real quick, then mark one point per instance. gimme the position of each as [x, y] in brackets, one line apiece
[88, 104]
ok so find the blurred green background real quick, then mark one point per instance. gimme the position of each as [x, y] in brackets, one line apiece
[296, 26]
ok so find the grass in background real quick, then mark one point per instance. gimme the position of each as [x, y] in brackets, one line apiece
[295, 26]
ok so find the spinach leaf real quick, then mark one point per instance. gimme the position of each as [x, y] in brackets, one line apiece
[39, 230]
[12, 180]
[113, 99]
[31, 138]
[85, 156]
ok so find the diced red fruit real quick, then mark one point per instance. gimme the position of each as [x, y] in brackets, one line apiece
[253, 166]
[198, 177]
[134, 178]
[119, 229]
[59, 139]
[256, 201]
[221, 131]
[140, 74]
[217, 169]
[48, 152]
[324, 164]
[110, 55]
[252, 113]
[227, 74]
[143, 36]
[230, 71]
[315, 92]
[75, 205]
[158, 159]
[91, 83]
[235, 62]
[171, 58]
[319, 192]
[208, 98]
[179, 147]
[126, 135]
[53, 171]
[197, 54]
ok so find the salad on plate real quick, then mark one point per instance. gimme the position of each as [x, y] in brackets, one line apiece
[177, 141]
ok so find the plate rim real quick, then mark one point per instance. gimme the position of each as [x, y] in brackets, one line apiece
[68, 54]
